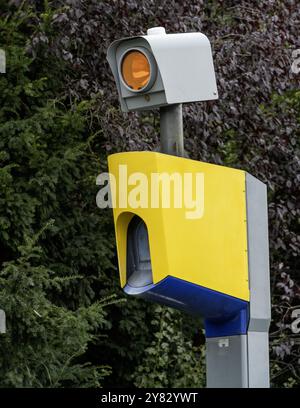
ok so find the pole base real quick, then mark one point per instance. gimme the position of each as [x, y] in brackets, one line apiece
[238, 361]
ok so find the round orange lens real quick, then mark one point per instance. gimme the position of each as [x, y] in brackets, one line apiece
[136, 70]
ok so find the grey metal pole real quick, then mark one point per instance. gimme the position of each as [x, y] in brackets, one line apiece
[171, 130]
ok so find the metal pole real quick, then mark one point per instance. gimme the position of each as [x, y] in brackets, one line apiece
[171, 130]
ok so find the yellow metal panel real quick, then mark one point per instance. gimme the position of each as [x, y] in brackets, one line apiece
[211, 250]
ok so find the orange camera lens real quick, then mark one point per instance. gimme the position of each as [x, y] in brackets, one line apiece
[136, 70]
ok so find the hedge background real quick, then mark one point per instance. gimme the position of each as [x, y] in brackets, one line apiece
[68, 322]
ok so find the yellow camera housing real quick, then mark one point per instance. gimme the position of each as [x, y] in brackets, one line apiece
[211, 250]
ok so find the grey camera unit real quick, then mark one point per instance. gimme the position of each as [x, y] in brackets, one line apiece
[182, 69]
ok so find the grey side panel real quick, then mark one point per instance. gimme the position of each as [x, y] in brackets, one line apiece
[226, 362]
[258, 255]
[258, 364]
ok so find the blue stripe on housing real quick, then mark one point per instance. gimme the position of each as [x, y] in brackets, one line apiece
[224, 315]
